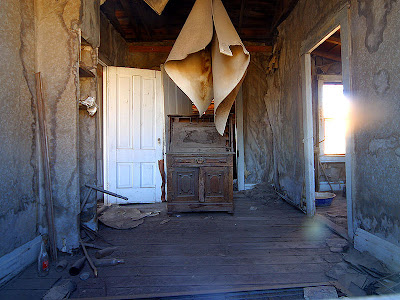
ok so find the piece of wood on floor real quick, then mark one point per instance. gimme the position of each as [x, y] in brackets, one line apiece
[320, 292]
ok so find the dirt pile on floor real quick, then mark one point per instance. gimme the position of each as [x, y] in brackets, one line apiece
[265, 193]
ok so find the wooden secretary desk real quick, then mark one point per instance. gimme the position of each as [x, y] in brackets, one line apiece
[199, 166]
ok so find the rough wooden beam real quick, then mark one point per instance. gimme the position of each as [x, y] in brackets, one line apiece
[327, 55]
[334, 40]
[266, 49]
[132, 19]
[156, 49]
[110, 15]
[282, 11]
[167, 49]
[139, 6]
[242, 6]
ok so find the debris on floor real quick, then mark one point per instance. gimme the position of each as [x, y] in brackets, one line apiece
[337, 245]
[124, 217]
[320, 292]
[388, 285]
[105, 252]
[362, 274]
[265, 193]
[60, 291]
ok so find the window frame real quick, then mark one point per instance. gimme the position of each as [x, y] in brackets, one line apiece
[322, 79]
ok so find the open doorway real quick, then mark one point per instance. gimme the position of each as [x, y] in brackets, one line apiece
[330, 122]
[326, 53]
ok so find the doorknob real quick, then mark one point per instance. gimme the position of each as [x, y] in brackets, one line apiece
[159, 141]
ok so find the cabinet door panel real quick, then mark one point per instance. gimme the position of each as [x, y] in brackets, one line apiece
[216, 184]
[185, 184]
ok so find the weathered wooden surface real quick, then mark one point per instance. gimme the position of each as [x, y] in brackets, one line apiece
[263, 243]
[199, 166]
[199, 182]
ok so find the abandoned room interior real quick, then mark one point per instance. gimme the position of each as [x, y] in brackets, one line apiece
[199, 149]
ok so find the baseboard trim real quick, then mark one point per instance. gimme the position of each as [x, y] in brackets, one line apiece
[14, 262]
[383, 250]
[249, 186]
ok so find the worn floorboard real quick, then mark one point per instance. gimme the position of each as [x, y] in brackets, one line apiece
[261, 244]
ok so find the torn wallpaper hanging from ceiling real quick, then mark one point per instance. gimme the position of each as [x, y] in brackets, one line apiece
[157, 5]
[208, 60]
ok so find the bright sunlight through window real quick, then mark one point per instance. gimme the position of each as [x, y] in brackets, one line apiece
[335, 109]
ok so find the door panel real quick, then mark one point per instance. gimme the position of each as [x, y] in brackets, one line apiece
[215, 183]
[134, 134]
[185, 184]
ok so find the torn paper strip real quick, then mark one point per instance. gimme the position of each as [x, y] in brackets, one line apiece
[208, 60]
[157, 5]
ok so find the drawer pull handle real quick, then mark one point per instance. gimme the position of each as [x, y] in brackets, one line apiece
[200, 160]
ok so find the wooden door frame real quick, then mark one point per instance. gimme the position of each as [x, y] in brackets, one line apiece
[239, 140]
[106, 96]
[105, 133]
[338, 20]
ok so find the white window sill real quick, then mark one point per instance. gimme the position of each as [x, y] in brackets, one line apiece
[332, 158]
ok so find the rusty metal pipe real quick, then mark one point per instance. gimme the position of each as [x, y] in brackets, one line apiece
[105, 252]
[77, 267]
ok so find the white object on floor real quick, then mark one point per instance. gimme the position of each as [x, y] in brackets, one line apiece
[320, 292]
[16, 261]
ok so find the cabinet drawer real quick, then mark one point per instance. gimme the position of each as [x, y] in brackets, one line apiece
[201, 160]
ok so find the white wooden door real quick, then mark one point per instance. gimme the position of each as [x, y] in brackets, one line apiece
[134, 134]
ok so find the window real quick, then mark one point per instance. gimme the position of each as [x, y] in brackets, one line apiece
[333, 114]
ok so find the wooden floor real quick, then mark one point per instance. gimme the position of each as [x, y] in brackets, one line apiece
[336, 212]
[265, 243]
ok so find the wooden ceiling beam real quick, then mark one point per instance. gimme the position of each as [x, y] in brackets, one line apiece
[282, 12]
[334, 40]
[142, 13]
[132, 19]
[110, 15]
[167, 49]
[327, 55]
[242, 7]
[252, 18]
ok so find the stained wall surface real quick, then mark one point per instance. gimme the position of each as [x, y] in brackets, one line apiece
[258, 130]
[41, 36]
[277, 144]
[376, 93]
[58, 43]
[279, 107]
[18, 160]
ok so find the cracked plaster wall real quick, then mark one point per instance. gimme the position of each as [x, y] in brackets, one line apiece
[376, 93]
[88, 140]
[18, 160]
[57, 40]
[40, 36]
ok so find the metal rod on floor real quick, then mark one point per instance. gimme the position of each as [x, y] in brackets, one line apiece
[105, 191]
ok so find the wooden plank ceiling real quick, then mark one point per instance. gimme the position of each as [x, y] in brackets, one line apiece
[330, 48]
[255, 20]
